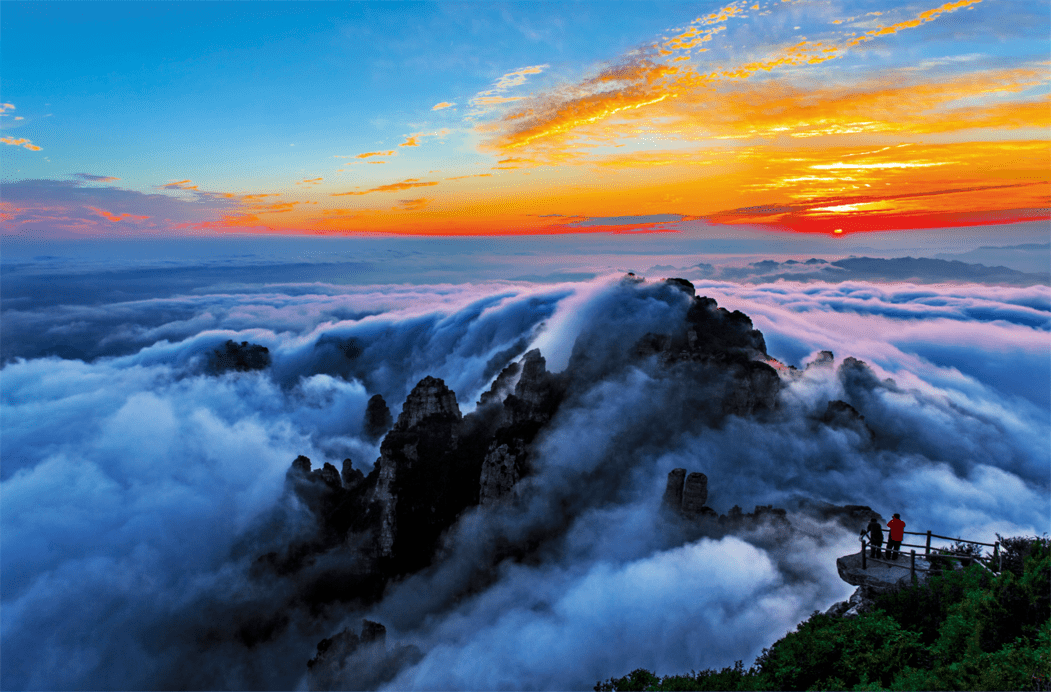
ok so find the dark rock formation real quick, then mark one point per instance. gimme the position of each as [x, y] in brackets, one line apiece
[351, 477]
[502, 386]
[378, 419]
[673, 491]
[422, 484]
[687, 494]
[317, 489]
[348, 661]
[503, 466]
[240, 357]
[840, 414]
[435, 464]
[859, 602]
[850, 517]
[534, 399]
[719, 348]
[694, 493]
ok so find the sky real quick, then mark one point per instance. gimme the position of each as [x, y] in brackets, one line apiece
[447, 186]
[187, 119]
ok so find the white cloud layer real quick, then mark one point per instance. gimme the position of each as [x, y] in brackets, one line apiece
[137, 486]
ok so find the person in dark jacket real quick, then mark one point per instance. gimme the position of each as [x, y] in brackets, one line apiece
[897, 534]
[875, 532]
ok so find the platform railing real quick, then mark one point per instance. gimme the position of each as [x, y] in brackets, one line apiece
[992, 563]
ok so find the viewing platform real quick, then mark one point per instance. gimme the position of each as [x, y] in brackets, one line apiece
[881, 575]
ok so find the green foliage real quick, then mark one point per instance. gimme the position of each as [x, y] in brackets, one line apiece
[961, 630]
[638, 679]
[832, 653]
[729, 678]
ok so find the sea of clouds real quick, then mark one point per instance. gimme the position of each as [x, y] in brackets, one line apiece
[137, 483]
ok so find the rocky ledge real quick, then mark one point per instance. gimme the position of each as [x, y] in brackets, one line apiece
[877, 577]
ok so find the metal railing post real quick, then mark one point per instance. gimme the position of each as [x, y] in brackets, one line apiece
[999, 559]
[864, 561]
[912, 568]
[928, 542]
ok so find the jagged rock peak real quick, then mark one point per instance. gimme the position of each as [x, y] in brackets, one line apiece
[673, 491]
[503, 384]
[683, 285]
[378, 419]
[352, 477]
[239, 357]
[687, 494]
[824, 359]
[428, 398]
[694, 493]
[534, 367]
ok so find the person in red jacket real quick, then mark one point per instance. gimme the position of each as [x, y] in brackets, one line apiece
[897, 534]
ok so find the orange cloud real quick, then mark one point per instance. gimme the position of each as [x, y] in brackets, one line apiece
[393, 187]
[922, 18]
[24, 143]
[180, 185]
[443, 104]
[510, 80]
[965, 183]
[640, 84]
[413, 140]
[116, 217]
[375, 153]
[310, 181]
[774, 108]
[476, 175]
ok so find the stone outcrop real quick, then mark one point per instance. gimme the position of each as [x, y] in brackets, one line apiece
[502, 468]
[348, 661]
[527, 406]
[840, 414]
[879, 576]
[686, 494]
[428, 400]
[239, 357]
[378, 419]
[720, 348]
[859, 602]
[694, 493]
[673, 491]
[413, 462]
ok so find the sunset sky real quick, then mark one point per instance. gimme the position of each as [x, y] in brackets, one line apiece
[158, 119]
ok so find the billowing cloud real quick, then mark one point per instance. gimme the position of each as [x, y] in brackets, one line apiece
[139, 488]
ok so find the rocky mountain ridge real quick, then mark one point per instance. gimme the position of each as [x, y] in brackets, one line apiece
[436, 464]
